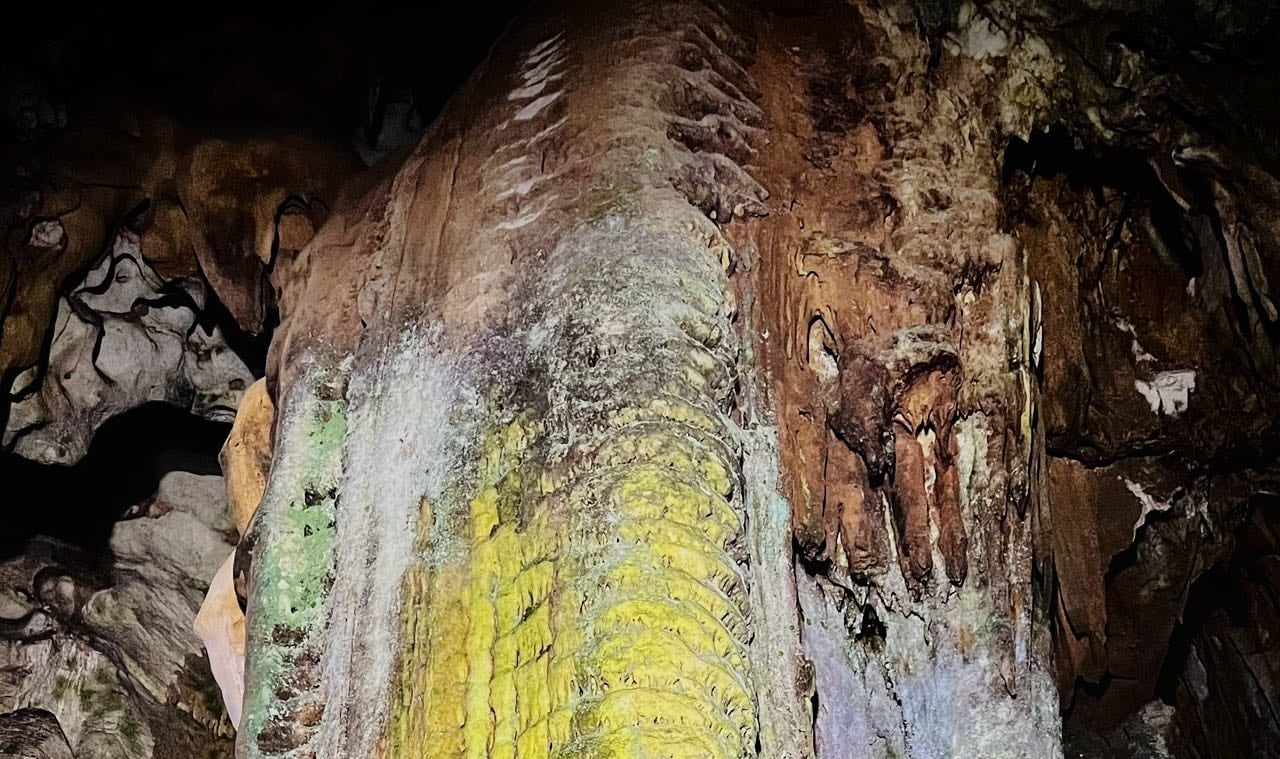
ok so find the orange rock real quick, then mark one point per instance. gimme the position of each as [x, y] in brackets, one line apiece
[246, 456]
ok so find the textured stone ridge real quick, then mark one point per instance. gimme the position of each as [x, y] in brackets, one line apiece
[542, 376]
[32, 734]
[596, 602]
[891, 329]
[293, 531]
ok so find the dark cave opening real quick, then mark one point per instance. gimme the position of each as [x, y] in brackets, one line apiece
[129, 454]
[1224, 591]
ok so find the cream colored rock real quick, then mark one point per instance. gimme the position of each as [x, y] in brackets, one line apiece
[246, 460]
[220, 625]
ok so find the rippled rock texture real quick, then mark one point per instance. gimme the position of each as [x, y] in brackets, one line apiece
[792, 378]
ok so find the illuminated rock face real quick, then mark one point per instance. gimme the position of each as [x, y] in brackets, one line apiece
[220, 625]
[528, 454]
[527, 496]
[711, 379]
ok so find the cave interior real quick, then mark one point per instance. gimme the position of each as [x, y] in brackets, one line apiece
[1158, 417]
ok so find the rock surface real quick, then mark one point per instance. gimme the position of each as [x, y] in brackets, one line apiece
[246, 456]
[893, 323]
[124, 337]
[105, 642]
[913, 352]
[32, 734]
[220, 625]
[246, 464]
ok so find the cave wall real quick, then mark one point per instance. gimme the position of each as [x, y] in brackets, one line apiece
[962, 313]
[893, 318]
[100, 636]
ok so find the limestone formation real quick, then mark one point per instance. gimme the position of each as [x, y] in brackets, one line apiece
[220, 625]
[246, 462]
[785, 379]
[246, 456]
[124, 337]
[109, 651]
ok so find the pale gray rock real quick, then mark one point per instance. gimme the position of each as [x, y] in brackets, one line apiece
[110, 651]
[123, 338]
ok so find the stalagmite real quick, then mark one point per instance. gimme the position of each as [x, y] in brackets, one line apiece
[756, 379]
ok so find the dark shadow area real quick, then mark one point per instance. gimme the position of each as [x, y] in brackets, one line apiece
[316, 67]
[79, 504]
[1211, 591]
[252, 349]
[1222, 592]
[1149, 206]
[1224, 654]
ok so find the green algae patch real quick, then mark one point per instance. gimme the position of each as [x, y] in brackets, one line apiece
[294, 533]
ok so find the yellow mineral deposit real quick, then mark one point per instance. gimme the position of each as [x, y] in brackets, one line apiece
[246, 456]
